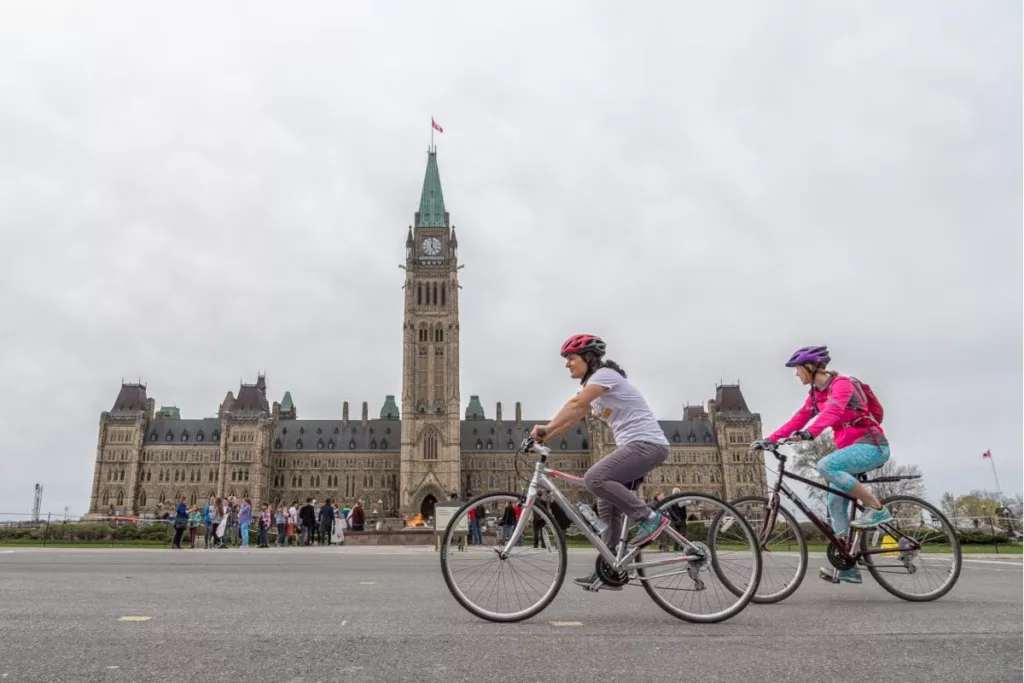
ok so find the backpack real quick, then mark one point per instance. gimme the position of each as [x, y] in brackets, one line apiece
[872, 406]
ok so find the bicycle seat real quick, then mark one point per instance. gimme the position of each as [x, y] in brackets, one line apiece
[635, 484]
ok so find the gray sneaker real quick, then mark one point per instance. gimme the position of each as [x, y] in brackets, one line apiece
[587, 583]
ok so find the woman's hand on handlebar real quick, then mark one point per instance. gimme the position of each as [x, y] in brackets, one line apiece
[538, 433]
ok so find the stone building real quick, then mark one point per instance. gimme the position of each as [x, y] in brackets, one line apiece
[402, 461]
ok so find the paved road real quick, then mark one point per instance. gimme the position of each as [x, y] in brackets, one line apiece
[353, 614]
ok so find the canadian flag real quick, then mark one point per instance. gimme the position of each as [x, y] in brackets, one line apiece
[436, 127]
[987, 454]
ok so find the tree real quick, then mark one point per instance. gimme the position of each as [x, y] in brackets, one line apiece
[805, 463]
[949, 505]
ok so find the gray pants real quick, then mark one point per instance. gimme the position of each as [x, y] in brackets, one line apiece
[607, 480]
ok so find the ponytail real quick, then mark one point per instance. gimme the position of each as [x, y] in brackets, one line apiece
[612, 365]
[594, 363]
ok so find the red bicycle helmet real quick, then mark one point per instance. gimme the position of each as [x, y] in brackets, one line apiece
[578, 343]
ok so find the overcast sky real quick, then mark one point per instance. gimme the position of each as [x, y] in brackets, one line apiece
[190, 194]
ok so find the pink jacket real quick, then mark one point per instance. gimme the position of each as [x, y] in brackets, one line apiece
[840, 405]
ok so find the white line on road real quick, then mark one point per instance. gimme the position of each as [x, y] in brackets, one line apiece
[1009, 563]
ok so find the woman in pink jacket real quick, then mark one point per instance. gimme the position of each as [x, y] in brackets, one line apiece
[840, 403]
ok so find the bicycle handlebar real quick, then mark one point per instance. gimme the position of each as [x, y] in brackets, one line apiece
[531, 446]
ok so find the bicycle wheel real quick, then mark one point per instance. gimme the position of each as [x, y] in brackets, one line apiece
[510, 589]
[686, 587]
[934, 567]
[783, 550]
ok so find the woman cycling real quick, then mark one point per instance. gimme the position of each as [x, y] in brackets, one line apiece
[640, 442]
[860, 442]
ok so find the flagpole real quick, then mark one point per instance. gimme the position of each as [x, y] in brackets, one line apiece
[999, 491]
[431, 133]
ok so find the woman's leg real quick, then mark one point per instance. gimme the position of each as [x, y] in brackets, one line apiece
[838, 470]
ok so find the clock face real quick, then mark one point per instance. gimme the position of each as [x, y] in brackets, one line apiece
[431, 246]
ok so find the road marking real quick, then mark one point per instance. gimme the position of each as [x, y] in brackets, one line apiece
[344, 621]
[113, 667]
[567, 623]
[367, 583]
[135, 618]
[1010, 563]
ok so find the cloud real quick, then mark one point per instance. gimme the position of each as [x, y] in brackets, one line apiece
[193, 195]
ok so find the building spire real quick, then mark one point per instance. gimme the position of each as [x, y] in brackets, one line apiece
[432, 213]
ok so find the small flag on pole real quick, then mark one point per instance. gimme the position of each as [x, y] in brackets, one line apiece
[436, 127]
[987, 454]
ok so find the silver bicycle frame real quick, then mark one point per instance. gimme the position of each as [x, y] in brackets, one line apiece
[616, 560]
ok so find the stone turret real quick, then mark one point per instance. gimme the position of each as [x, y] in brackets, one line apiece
[344, 412]
[519, 413]
[366, 413]
[497, 413]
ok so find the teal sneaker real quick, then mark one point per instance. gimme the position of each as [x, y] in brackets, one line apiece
[587, 583]
[835, 575]
[648, 530]
[871, 518]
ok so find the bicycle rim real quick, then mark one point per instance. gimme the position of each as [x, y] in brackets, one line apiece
[506, 590]
[783, 551]
[691, 589]
[915, 575]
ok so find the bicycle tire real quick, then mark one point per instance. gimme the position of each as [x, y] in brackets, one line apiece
[476, 610]
[868, 561]
[743, 599]
[801, 573]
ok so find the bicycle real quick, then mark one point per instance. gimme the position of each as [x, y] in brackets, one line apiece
[894, 539]
[698, 563]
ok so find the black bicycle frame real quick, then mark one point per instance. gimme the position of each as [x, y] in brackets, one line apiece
[844, 548]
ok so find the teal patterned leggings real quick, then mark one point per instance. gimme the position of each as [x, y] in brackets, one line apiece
[838, 470]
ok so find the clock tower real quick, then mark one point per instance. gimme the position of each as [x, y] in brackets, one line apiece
[430, 363]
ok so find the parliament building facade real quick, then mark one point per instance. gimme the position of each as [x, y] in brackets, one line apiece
[402, 460]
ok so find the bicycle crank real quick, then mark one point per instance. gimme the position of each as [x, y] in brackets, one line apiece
[837, 559]
[609, 576]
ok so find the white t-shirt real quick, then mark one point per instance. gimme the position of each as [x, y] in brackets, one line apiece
[623, 409]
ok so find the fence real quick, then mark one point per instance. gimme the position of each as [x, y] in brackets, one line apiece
[53, 528]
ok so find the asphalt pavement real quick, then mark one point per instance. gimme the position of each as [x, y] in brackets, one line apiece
[385, 614]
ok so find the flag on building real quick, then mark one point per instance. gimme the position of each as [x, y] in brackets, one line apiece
[987, 454]
[436, 127]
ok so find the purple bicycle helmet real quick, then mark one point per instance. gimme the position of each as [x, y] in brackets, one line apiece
[816, 355]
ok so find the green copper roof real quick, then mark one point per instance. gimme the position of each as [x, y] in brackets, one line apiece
[286, 402]
[432, 213]
[389, 411]
[171, 412]
[475, 411]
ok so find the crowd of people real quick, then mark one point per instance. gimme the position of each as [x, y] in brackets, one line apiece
[227, 522]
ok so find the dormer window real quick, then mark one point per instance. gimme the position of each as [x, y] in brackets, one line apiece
[384, 443]
[170, 437]
[298, 443]
[200, 436]
[692, 438]
[373, 444]
[319, 431]
[320, 443]
[284, 430]
[490, 445]
[216, 436]
[302, 430]
[707, 438]
[352, 445]
[184, 436]
[563, 445]
[330, 444]
[584, 445]
[277, 443]
[479, 443]
[152, 436]
[337, 431]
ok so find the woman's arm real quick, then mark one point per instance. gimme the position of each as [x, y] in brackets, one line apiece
[571, 413]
